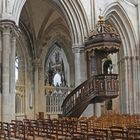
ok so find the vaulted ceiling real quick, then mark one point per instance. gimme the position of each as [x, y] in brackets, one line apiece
[43, 19]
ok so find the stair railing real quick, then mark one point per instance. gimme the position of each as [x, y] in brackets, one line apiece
[97, 88]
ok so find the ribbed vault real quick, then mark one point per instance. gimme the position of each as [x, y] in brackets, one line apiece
[40, 16]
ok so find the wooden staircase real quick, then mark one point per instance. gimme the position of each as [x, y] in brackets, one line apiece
[96, 89]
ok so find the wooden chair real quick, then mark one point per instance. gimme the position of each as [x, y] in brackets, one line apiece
[40, 127]
[83, 129]
[50, 130]
[13, 130]
[33, 123]
[75, 130]
[99, 134]
[29, 130]
[5, 130]
[63, 130]
[134, 133]
[1, 130]
[21, 132]
[118, 132]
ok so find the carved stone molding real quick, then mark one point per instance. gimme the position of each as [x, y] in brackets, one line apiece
[78, 48]
[7, 26]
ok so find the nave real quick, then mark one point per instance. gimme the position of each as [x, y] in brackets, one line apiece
[109, 126]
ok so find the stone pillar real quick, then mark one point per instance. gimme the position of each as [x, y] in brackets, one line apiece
[120, 83]
[5, 74]
[138, 86]
[129, 85]
[8, 59]
[36, 65]
[138, 16]
[12, 76]
[124, 92]
[127, 91]
[138, 60]
[0, 73]
[97, 109]
[92, 7]
[80, 64]
[135, 74]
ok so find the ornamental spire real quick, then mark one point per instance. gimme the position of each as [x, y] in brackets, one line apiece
[104, 38]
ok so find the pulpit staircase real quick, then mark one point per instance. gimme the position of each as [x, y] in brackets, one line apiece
[94, 90]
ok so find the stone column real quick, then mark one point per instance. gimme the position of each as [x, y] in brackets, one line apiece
[129, 85]
[138, 16]
[138, 85]
[124, 91]
[0, 73]
[135, 74]
[138, 59]
[120, 83]
[97, 109]
[92, 7]
[80, 64]
[127, 91]
[8, 68]
[36, 65]
[12, 76]
[5, 73]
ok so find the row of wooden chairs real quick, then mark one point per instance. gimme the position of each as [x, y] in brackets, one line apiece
[13, 131]
[71, 129]
[108, 120]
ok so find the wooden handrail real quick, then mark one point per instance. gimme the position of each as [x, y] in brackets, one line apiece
[96, 89]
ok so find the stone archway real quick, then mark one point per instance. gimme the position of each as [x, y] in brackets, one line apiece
[43, 29]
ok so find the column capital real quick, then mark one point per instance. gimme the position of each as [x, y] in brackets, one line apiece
[9, 27]
[78, 48]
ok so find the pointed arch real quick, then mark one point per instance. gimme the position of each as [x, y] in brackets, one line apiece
[76, 19]
[17, 8]
[74, 15]
[118, 16]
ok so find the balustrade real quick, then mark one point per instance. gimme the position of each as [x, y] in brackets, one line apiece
[97, 88]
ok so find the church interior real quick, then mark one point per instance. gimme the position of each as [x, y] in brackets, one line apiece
[69, 69]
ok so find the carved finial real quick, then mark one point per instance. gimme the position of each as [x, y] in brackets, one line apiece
[100, 16]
